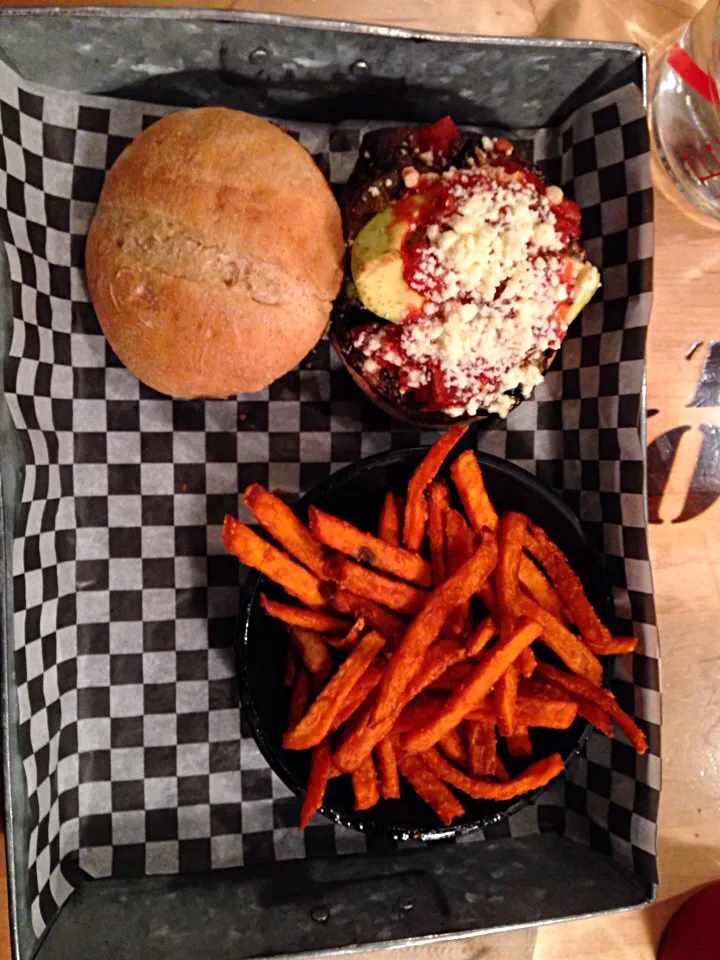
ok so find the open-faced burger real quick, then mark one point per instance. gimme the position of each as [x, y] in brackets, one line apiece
[465, 271]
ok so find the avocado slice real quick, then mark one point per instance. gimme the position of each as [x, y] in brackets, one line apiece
[587, 282]
[377, 268]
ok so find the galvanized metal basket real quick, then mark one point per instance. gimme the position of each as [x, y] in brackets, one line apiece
[321, 72]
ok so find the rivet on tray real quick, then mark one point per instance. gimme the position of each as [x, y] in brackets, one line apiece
[259, 56]
[360, 67]
[320, 914]
[406, 904]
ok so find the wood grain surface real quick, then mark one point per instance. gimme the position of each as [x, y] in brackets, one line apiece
[684, 479]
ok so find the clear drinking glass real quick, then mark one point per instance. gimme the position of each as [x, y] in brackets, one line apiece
[685, 117]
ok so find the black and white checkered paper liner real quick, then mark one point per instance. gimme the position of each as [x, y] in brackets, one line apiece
[135, 753]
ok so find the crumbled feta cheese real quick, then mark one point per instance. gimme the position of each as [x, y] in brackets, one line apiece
[554, 194]
[530, 379]
[502, 405]
[546, 236]
[488, 143]
[417, 378]
[411, 177]
[374, 191]
[490, 237]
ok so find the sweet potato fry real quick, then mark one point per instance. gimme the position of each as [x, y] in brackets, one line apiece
[595, 715]
[536, 775]
[542, 688]
[318, 721]
[387, 765]
[312, 649]
[468, 479]
[527, 662]
[282, 524]
[518, 743]
[300, 617]
[299, 695]
[291, 665]
[416, 511]
[348, 640]
[511, 535]
[437, 498]
[620, 645]
[569, 586]
[443, 652]
[459, 546]
[538, 712]
[419, 711]
[396, 594]
[454, 748]
[336, 640]
[407, 659]
[347, 539]
[536, 689]
[482, 748]
[487, 595]
[363, 736]
[387, 624]
[499, 771]
[571, 649]
[433, 791]
[390, 524]
[460, 539]
[452, 678]
[535, 584]
[317, 782]
[505, 696]
[492, 666]
[557, 713]
[362, 689]
[480, 637]
[263, 556]
[355, 632]
[603, 698]
[365, 785]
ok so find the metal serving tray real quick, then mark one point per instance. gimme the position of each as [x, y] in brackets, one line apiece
[318, 71]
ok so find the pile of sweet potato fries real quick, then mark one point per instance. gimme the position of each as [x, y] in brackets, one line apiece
[390, 673]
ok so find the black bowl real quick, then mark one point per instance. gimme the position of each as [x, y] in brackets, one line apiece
[356, 493]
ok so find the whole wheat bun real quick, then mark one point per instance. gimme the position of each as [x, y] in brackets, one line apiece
[215, 253]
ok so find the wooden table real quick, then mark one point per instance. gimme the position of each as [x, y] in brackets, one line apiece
[685, 554]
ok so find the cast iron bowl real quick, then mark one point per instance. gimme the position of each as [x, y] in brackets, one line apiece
[356, 493]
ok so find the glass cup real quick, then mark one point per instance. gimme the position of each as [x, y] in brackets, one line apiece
[685, 117]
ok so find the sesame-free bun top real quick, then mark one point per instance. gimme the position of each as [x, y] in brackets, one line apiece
[215, 253]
